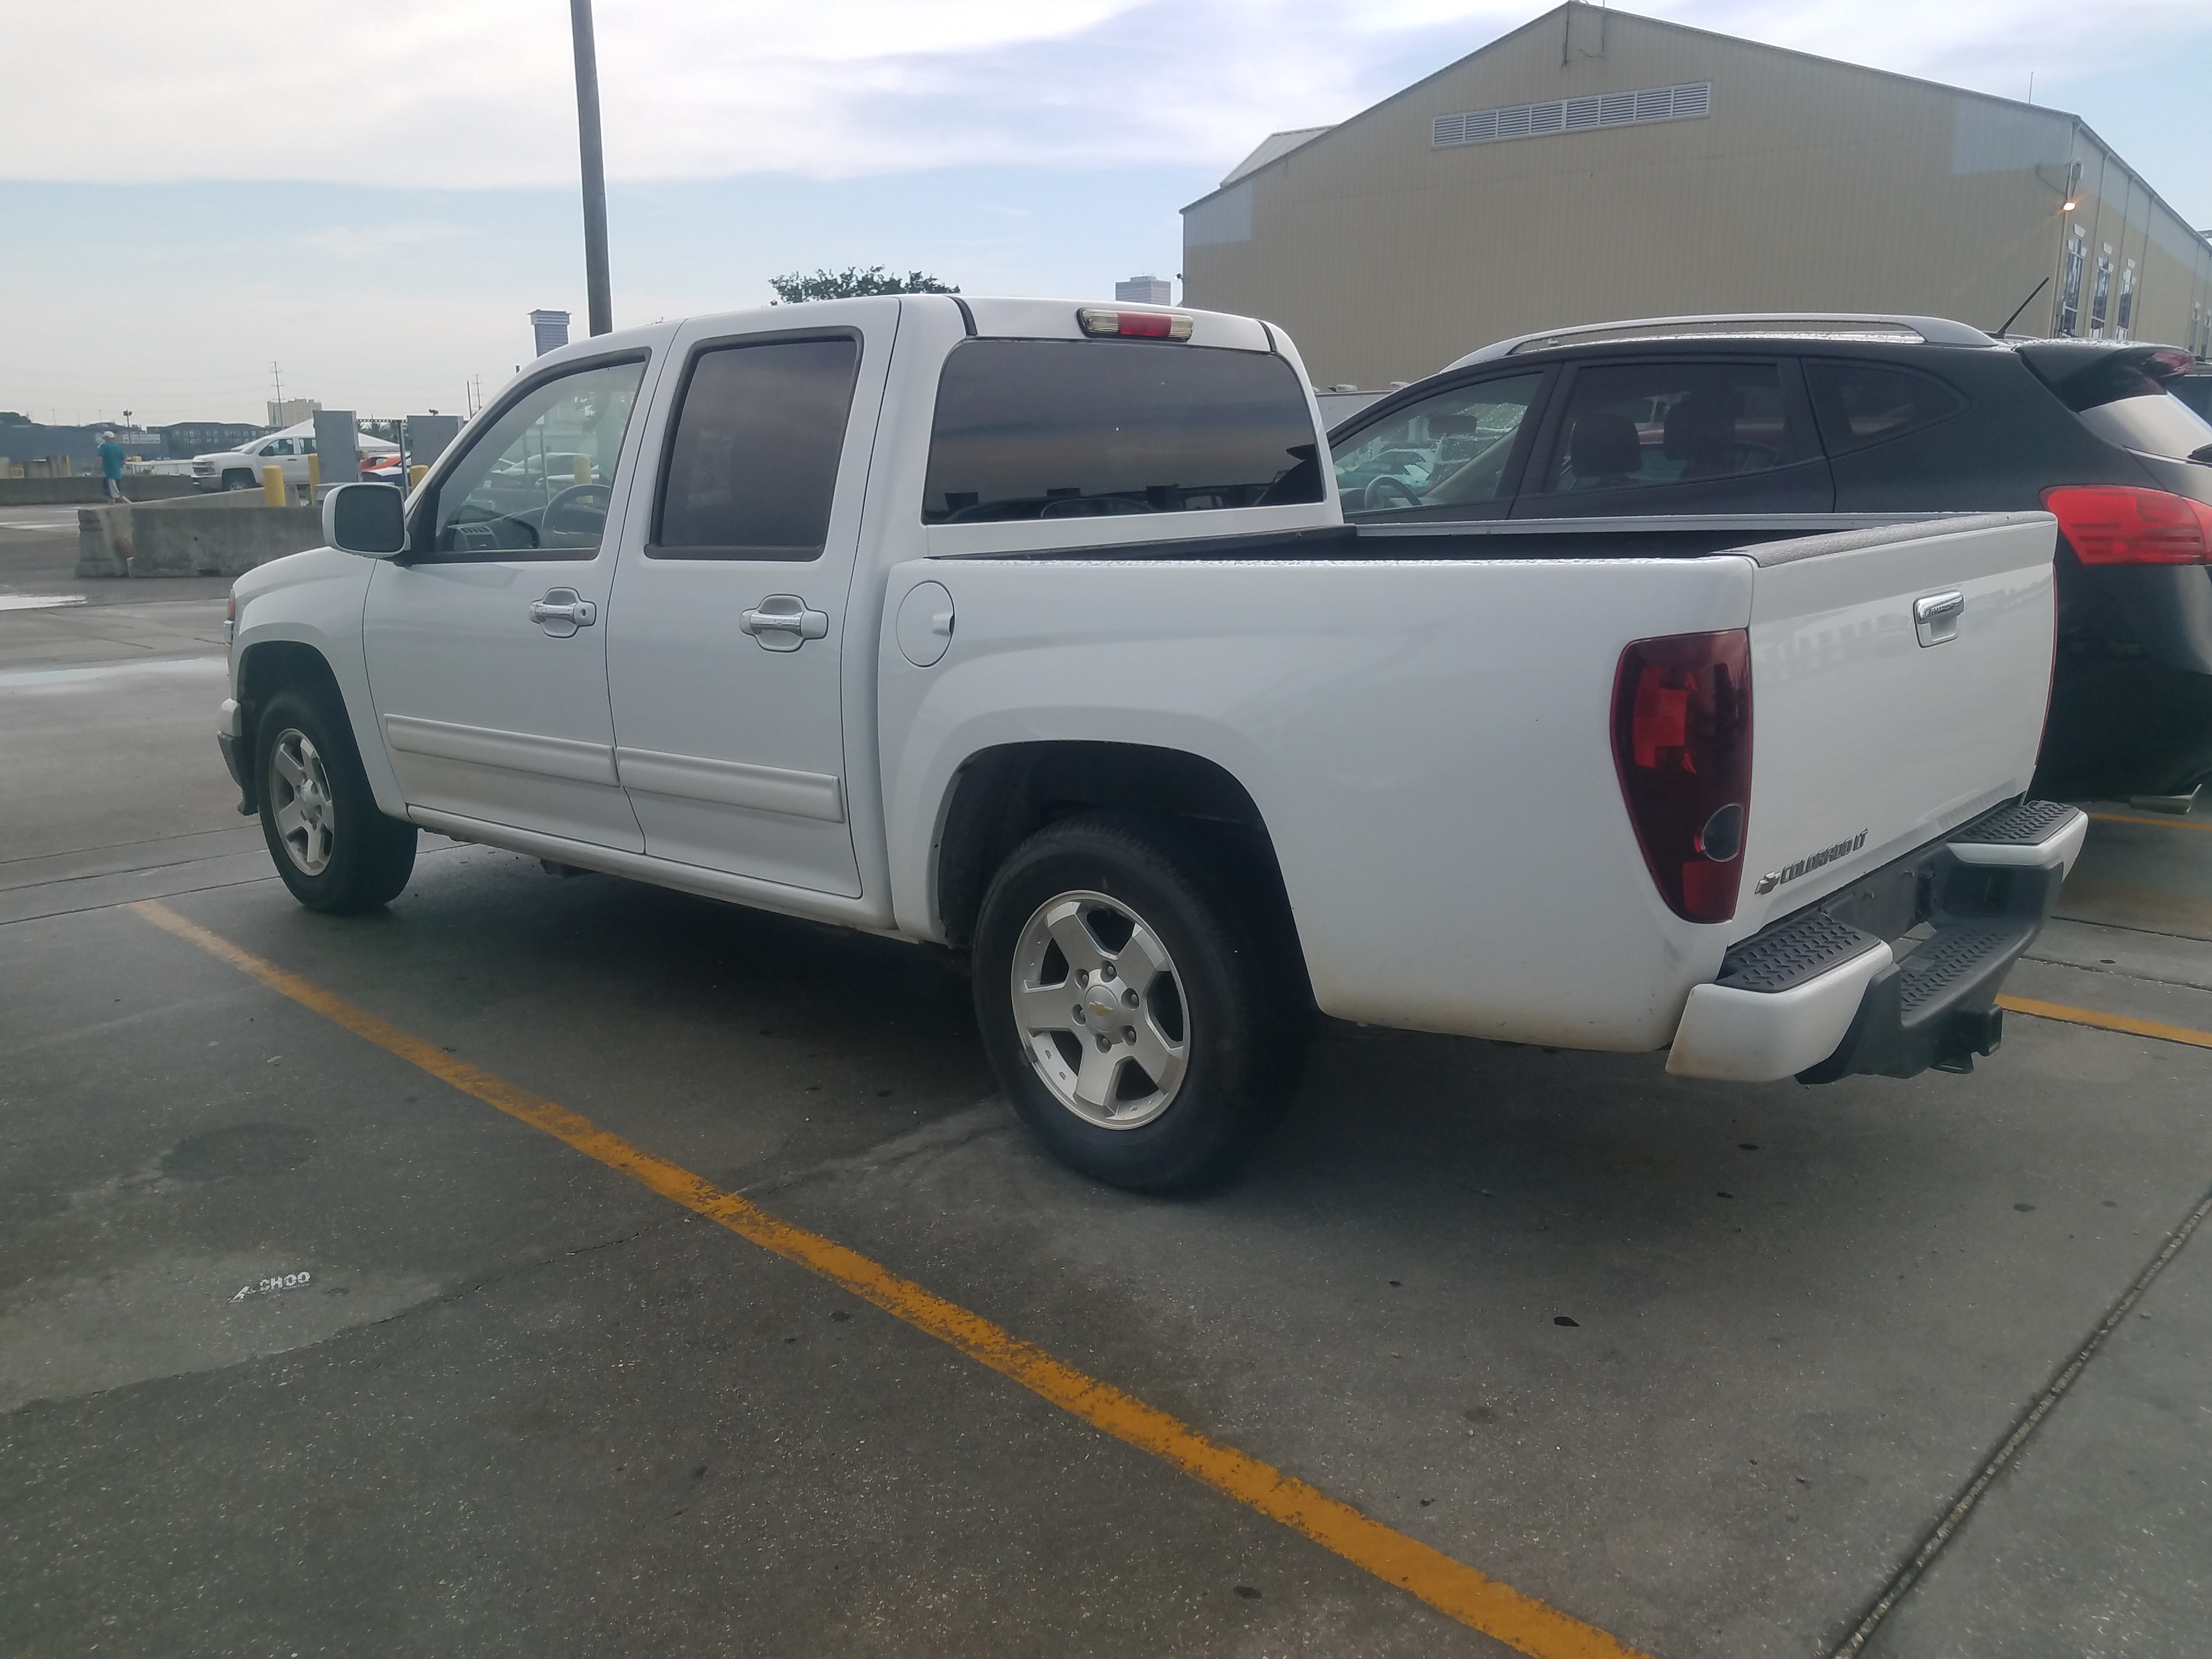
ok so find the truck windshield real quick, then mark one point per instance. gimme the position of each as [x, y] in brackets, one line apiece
[1089, 429]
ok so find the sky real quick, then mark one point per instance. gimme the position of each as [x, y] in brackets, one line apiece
[375, 198]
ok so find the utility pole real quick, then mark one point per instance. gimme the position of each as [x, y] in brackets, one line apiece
[598, 294]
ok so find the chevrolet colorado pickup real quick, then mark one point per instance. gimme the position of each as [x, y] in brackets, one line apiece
[1034, 630]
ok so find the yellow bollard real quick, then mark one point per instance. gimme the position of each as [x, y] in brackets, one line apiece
[415, 475]
[314, 479]
[272, 485]
[583, 469]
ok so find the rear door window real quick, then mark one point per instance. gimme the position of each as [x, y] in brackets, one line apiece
[753, 466]
[1628, 426]
[1453, 449]
[1092, 428]
[1861, 404]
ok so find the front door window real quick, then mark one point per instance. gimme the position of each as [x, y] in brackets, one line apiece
[539, 483]
[1452, 449]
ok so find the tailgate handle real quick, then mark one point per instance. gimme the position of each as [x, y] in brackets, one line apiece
[1936, 618]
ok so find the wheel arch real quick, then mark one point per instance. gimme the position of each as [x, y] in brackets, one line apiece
[1002, 795]
[266, 668]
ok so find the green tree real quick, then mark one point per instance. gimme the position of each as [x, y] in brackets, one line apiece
[852, 283]
[11, 417]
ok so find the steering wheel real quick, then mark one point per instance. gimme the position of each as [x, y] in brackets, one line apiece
[568, 498]
[1388, 493]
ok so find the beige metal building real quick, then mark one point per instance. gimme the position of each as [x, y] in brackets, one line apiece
[1595, 165]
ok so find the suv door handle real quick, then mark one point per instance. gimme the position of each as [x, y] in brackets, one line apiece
[562, 612]
[783, 621]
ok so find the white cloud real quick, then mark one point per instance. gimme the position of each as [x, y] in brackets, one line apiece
[435, 93]
[369, 242]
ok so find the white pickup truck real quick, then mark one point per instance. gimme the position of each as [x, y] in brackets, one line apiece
[1033, 630]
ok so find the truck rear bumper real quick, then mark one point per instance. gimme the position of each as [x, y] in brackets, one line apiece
[1895, 974]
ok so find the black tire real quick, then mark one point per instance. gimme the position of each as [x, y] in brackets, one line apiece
[1237, 993]
[235, 480]
[337, 853]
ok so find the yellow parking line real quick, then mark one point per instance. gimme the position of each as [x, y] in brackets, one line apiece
[2156, 824]
[1473, 1598]
[2149, 1028]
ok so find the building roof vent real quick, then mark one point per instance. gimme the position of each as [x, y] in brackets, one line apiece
[1611, 109]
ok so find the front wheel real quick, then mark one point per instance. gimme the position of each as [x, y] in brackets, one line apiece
[1140, 998]
[330, 844]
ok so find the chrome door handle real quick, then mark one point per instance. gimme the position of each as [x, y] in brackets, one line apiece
[1936, 618]
[562, 612]
[783, 621]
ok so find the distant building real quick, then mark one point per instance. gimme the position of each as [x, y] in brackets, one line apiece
[290, 412]
[1147, 290]
[1594, 165]
[190, 438]
[28, 444]
[551, 328]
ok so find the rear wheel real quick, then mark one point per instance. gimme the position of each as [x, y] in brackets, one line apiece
[1140, 998]
[330, 844]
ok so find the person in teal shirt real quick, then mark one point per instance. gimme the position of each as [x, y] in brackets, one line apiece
[111, 466]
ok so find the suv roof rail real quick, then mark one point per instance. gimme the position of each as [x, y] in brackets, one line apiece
[1750, 324]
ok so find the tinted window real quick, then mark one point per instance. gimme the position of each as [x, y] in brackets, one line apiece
[1633, 424]
[540, 477]
[1859, 403]
[754, 465]
[1086, 428]
[1450, 448]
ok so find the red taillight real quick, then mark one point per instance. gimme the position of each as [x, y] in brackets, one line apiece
[2116, 523]
[1097, 320]
[1681, 741]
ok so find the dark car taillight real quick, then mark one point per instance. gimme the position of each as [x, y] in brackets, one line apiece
[2119, 524]
[1681, 742]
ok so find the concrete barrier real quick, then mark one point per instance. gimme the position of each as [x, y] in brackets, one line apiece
[220, 535]
[65, 492]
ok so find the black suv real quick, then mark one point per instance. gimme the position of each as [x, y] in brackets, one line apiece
[1862, 417]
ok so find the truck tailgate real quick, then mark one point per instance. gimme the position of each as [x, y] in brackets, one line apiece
[1899, 677]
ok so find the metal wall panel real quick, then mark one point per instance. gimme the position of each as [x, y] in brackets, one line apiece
[1811, 184]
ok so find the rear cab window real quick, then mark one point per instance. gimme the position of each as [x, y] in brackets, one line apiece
[1055, 429]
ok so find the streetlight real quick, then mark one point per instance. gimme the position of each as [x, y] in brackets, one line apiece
[597, 294]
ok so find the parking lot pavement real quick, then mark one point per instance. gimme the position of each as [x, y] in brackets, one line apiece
[1703, 1366]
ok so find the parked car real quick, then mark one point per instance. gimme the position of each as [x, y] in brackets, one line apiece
[241, 468]
[1866, 415]
[1033, 630]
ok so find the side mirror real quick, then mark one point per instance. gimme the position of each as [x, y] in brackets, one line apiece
[368, 518]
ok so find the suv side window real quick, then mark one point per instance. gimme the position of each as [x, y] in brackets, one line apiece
[1631, 425]
[1453, 448]
[753, 465]
[1861, 404]
[538, 481]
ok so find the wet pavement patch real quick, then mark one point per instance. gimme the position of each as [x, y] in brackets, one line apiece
[240, 1150]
